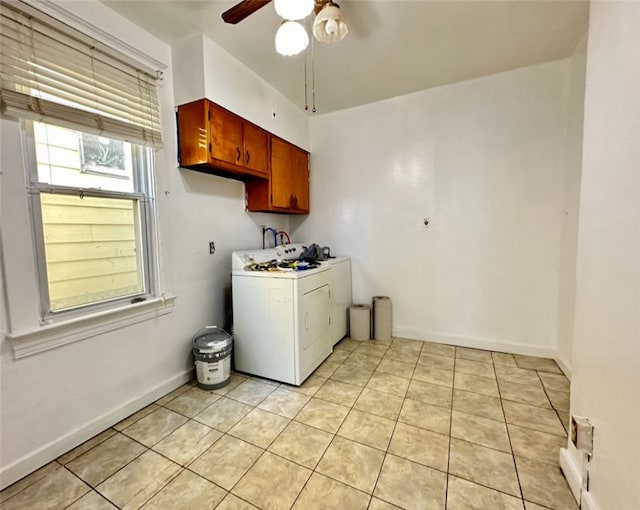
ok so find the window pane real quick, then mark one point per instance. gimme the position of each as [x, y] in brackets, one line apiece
[91, 249]
[70, 158]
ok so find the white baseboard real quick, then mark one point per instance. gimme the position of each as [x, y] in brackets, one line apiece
[565, 367]
[477, 343]
[572, 472]
[588, 503]
[51, 451]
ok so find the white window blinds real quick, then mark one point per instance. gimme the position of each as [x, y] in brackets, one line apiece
[56, 76]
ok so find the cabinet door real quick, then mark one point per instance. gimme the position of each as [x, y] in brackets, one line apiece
[256, 149]
[193, 134]
[226, 136]
[300, 171]
[281, 182]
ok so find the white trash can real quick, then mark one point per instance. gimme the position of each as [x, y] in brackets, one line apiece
[212, 348]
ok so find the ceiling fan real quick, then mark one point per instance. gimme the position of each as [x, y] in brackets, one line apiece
[329, 24]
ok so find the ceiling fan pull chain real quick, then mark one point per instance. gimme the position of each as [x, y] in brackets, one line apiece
[306, 99]
[313, 76]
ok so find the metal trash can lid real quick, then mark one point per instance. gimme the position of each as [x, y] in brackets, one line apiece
[211, 339]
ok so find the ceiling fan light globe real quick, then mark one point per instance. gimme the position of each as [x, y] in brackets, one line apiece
[294, 9]
[330, 24]
[291, 38]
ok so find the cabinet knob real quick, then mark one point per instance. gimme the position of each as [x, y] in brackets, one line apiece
[238, 154]
[248, 157]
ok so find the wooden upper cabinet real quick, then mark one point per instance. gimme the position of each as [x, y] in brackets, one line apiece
[215, 140]
[287, 190]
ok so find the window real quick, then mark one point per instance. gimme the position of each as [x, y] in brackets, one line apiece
[91, 201]
[90, 119]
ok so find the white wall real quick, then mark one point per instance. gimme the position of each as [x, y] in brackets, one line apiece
[606, 351]
[204, 69]
[484, 160]
[52, 401]
[571, 204]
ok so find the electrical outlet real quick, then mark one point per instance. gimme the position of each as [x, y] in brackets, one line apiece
[582, 434]
[212, 247]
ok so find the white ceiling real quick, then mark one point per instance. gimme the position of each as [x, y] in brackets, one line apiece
[393, 47]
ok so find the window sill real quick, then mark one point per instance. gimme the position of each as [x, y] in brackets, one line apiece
[51, 336]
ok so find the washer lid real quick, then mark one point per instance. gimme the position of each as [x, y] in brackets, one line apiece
[211, 339]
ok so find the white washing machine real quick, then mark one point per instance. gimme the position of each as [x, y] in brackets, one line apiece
[341, 297]
[281, 317]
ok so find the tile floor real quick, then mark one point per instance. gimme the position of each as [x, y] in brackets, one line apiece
[380, 425]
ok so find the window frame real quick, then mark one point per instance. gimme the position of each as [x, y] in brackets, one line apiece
[146, 243]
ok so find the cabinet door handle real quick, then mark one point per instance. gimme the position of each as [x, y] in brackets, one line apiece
[238, 154]
[248, 157]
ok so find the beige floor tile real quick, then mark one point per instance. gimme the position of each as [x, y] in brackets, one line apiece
[52, 488]
[226, 461]
[393, 367]
[338, 356]
[536, 445]
[432, 375]
[532, 394]
[430, 393]
[130, 420]
[187, 491]
[309, 387]
[327, 368]
[448, 351]
[420, 445]
[517, 375]
[404, 355]
[388, 384]
[532, 506]
[378, 504]
[560, 400]
[467, 366]
[232, 502]
[502, 358]
[339, 392]
[485, 466]
[86, 446]
[476, 384]
[284, 402]
[192, 402]
[362, 361]
[352, 375]
[137, 482]
[465, 495]
[37, 476]
[379, 403]
[532, 417]
[407, 343]
[479, 430]
[535, 363]
[348, 344]
[323, 415]
[251, 392]
[187, 443]
[322, 493]
[372, 348]
[259, 427]
[175, 393]
[301, 444]
[352, 463]
[544, 484]
[367, 429]
[411, 486]
[474, 354]
[223, 414]
[155, 426]
[555, 382]
[426, 416]
[101, 462]
[478, 405]
[272, 483]
[436, 361]
[234, 381]
[92, 501]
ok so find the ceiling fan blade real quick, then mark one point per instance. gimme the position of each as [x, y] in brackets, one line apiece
[240, 11]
